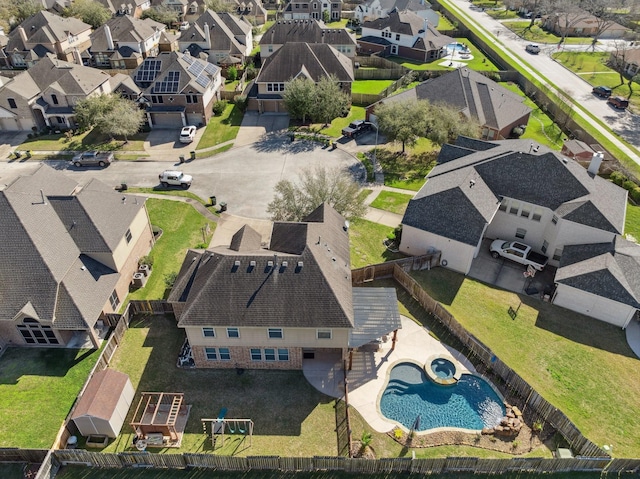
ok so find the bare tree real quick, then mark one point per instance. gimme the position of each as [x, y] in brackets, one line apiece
[618, 59]
[606, 13]
[565, 15]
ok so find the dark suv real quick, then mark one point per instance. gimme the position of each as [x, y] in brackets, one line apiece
[602, 91]
[618, 102]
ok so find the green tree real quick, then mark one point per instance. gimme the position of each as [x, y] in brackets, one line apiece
[23, 9]
[445, 123]
[219, 6]
[299, 97]
[161, 14]
[325, 16]
[330, 100]
[404, 121]
[110, 115]
[89, 11]
[232, 73]
[292, 201]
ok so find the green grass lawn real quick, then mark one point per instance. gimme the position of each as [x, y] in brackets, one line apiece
[632, 221]
[371, 87]
[365, 238]
[502, 14]
[342, 23]
[407, 171]
[392, 201]
[582, 366]
[335, 128]
[182, 228]
[444, 23]
[222, 128]
[537, 34]
[90, 140]
[38, 387]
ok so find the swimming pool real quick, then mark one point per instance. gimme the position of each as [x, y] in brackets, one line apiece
[416, 402]
[459, 47]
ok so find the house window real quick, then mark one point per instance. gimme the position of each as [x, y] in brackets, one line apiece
[323, 334]
[275, 333]
[525, 211]
[114, 300]
[128, 236]
[275, 86]
[157, 99]
[521, 233]
[54, 99]
[283, 355]
[537, 214]
[270, 48]
[256, 354]
[515, 207]
[545, 246]
[191, 98]
[269, 354]
[34, 333]
[554, 220]
[233, 333]
[503, 204]
[101, 59]
[119, 64]
[557, 254]
[225, 354]
[208, 332]
[12, 103]
[397, 37]
[211, 353]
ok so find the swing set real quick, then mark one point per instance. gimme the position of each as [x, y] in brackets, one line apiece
[221, 426]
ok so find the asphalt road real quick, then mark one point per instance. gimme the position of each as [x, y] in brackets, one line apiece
[548, 71]
[243, 177]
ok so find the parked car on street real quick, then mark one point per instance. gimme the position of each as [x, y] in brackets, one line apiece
[602, 91]
[518, 252]
[532, 48]
[92, 158]
[618, 102]
[175, 178]
[187, 134]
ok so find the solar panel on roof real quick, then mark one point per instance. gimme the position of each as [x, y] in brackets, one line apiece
[148, 71]
[169, 84]
[203, 80]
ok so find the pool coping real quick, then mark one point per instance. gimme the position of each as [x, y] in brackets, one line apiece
[437, 379]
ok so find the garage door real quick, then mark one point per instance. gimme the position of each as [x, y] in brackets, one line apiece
[194, 119]
[9, 124]
[167, 120]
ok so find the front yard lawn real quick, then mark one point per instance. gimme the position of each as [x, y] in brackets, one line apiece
[182, 228]
[582, 366]
[537, 34]
[89, 140]
[335, 128]
[222, 128]
[391, 201]
[38, 387]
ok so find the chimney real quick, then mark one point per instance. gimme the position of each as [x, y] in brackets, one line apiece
[76, 56]
[207, 37]
[23, 34]
[107, 33]
[425, 25]
[596, 161]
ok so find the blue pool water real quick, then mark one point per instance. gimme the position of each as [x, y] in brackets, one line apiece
[459, 47]
[416, 402]
[443, 368]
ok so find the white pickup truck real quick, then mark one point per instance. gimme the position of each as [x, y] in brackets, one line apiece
[518, 252]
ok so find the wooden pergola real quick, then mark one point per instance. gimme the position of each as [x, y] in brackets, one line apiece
[156, 414]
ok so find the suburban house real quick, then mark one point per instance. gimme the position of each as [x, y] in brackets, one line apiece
[181, 7]
[497, 110]
[297, 60]
[372, 9]
[404, 34]
[514, 190]
[582, 24]
[177, 89]
[306, 31]
[252, 10]
[124, 41]
[313, 9]
[249, 305]
[628, 60]
[128, 7]
[70, 252]
[583, 153]
[45, 94]
[217, 36]
[45, 33]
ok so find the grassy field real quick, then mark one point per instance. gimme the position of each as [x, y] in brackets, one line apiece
[365, 238]
[222, 128]
[392, 201]
[371, 87]
[582, 366]
[182, 228]
[38, 387]
[89, 140]
[538, 35]
[632, 222]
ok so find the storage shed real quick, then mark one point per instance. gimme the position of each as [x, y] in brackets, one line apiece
[103, 407]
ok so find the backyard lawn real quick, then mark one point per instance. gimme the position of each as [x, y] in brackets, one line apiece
[479, 62]
[371, 87]
[407, 171]
[392, 201]
[582, 366]
[365, 240]
[222, 128]
[182, 228]
[38, 387]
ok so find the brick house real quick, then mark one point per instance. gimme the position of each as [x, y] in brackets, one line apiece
[128, 7]
[313, 9]
[582, 24]
[70, 252]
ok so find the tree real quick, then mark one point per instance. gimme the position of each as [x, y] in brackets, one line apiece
[403, 121]
[219, 6]
[606, 13]
[330, 100]
[292, 202]
[566, 13]
[619, 58]
[445, 123]
[89, 11]
[110, 115]
[23, 9]
[232, 73]
[299, 97]
[161, 14]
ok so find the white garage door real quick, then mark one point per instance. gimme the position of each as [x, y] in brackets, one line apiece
[167, 120]
[9, 124]
[194, 119]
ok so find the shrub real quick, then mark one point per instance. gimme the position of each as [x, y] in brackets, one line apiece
[219, 106]
[170, 279]
[148, 260]
[241, 102]
[397, 433]
[618, 178]
[232, 73]
[251, 71]
[517, 132]
[635, 194]
[629, 185]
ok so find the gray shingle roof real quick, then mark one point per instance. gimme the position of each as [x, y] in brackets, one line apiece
[221, 287]
[610, 270]
[314, 60]
[221, 33]
[305, 31]
[407, 23]
[45, 28]
[545, 179]
[124, 29]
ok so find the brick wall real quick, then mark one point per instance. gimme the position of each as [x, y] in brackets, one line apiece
[241, 358]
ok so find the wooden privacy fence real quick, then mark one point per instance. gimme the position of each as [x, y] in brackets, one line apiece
[386, 270]
[358, 465]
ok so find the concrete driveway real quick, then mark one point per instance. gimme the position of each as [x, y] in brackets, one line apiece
[167, 142]
[257, 126]
[9, 140]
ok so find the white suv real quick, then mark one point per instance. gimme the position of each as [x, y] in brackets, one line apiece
[175, 178]
[187, 134]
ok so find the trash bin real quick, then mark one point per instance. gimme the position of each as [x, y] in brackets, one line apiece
[18, 154]
[181, 159]
[223, 206]
[193, 155]
[28, 153]
[213, 200]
